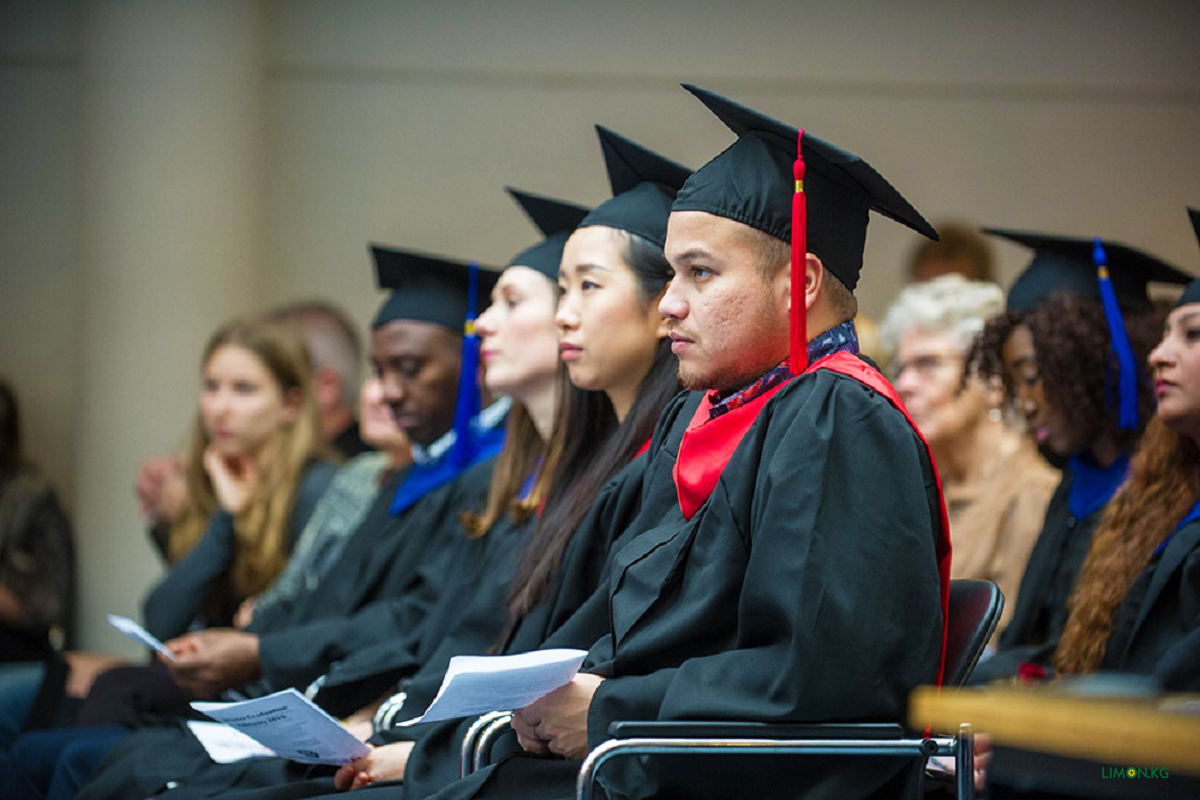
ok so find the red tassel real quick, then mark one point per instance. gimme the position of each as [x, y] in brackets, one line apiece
[799, 312]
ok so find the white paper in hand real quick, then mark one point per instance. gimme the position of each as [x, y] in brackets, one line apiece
[480, 684]
[292, 726]
[226, 745]
[139, 634]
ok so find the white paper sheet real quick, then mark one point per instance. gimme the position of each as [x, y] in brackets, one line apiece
[292, 726]
[226, 745]
[480, 684]
[139, 634]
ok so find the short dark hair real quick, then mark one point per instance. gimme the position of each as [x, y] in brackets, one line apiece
[774, 254]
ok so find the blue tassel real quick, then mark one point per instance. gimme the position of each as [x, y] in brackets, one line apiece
[1127, 379]
[468, 399]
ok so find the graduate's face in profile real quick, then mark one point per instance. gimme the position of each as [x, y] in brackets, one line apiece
[376, 425]
[518, 337]
[241, 403]
[608, 331]
[728, 322]
[1175, 364]
[417, 364]
[928, 376]
[1048, 426]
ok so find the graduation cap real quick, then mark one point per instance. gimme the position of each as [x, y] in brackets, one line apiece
[798, 188]
[426, 288]
[1110, 273]
[556, 219]
[1192, 293]
[644, 185]
[1066, 263]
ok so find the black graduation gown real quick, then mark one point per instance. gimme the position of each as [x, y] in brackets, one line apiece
[1156, 630]
[806, 589]
[1037, 621]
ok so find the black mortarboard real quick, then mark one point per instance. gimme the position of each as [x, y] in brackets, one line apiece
[1192, 293]
[643, 184]
[426, 288]
[556, 220]
[752, 182]
[1066, 263]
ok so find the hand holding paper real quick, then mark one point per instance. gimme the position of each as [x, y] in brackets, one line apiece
[292, 726]
[479, 684]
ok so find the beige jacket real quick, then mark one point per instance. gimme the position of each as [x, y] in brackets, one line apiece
[995, 520]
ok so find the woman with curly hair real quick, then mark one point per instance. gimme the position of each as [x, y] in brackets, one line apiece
[1053, 350]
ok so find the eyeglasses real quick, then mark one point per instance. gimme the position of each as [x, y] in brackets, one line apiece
[928, 364]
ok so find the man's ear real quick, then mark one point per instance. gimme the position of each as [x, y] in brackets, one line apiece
[814, 276]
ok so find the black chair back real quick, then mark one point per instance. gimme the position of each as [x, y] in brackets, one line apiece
[975, 608]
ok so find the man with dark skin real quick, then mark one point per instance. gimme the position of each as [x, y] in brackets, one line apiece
[418, 363]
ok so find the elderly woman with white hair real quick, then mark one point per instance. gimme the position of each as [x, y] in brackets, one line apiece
[996, 484]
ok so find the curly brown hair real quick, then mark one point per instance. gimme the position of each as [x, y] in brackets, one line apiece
[1078, 370]
[1163, 484]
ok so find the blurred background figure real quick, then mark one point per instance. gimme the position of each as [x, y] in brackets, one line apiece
[336, 354]
[37, 572]
[996, 484]
[962, 250]
[37, 563]
[255, 470]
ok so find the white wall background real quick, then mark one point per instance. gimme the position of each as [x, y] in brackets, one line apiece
[401, 121]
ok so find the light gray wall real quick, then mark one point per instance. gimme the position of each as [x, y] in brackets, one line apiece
[400, 121]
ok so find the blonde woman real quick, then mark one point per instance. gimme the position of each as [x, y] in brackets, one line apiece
[255, 471]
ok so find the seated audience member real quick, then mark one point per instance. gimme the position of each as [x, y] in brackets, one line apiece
[1136, 605]
[995, 482]
[959, 250]
[255, 471]
[341, 508]
[336, 352]
[1053, 349]
[37, 572]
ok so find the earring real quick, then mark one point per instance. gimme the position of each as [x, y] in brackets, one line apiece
[995, 415]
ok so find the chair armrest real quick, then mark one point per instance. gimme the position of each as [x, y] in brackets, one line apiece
[755, 730]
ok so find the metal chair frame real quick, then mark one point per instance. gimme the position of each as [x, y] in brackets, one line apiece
[961, 747]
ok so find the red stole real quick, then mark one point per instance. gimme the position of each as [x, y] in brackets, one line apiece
[708, 444]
